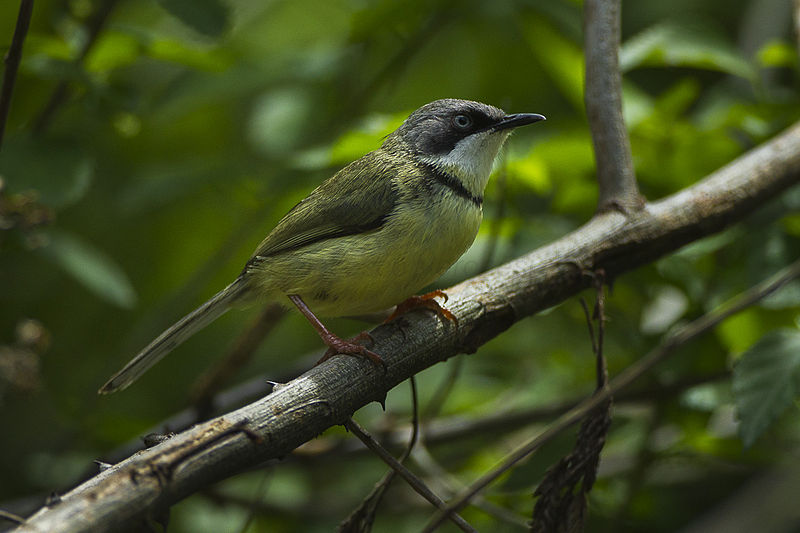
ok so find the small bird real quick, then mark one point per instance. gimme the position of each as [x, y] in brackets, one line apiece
[376, 232]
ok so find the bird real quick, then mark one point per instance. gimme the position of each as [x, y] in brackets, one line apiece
[377, 231]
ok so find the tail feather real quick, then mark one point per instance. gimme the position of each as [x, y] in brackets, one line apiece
[174, 336]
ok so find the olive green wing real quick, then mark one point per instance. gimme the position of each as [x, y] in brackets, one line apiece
[357, 199]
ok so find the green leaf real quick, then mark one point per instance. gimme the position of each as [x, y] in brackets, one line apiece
[672, 44]
[113, 49]
[209, 17]
[166, 49]
[365, 137]
[560, 57]
[765, 382]
[777, 54]
[61, 179]
[91, 267]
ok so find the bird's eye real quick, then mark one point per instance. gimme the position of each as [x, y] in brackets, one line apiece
[462, 122]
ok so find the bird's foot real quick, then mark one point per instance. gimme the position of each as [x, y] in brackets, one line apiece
[337, 345]
[425, 301]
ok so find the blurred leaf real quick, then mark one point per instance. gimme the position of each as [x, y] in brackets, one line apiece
[61, 178]
[54, 68]
[47, 45]
[791, 224]
[665, 142]
[637, 105]
[765, 381]
[209, 17]
[669, 304]
[560, 57]
[672, 44]
[741, 330]
[532, 171]
[279, 119]
[166, 49]
[112, 50]
[366, 137]
[777, 54]
[91, 267]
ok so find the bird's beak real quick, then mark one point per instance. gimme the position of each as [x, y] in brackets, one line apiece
[519, 119]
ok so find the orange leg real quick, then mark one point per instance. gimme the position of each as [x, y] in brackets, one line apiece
[425, 301]
[334, 343]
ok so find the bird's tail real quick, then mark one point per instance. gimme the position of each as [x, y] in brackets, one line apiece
[174, 336]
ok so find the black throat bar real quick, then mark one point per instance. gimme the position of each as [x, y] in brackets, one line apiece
[449, 181]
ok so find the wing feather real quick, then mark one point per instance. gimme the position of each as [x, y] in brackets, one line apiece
[357, 199]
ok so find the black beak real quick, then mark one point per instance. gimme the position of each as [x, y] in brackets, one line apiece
[519, 119]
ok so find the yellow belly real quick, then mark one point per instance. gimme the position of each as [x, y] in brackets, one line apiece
[364, 273]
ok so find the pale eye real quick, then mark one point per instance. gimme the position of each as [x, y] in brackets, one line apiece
[462, 122]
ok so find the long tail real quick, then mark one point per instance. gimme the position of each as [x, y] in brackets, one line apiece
[174, 336]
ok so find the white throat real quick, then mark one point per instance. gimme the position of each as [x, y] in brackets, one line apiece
[471, 159]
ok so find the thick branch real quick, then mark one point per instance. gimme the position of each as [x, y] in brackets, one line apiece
[603, 99]
[485, 306]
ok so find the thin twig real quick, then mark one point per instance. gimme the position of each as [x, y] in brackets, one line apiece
[625, 378]
[600, 316]
[603, 99]
[12, 59]
[417, 484]
[588, 315]
[457, 429]
[449, 484]
[11, 517]
[363, 516]
[561, 496]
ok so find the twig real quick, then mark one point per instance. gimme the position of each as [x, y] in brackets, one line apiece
[457, 429]
[625, 378]
[12, 59]
[11, 517]
[363, 516]
[561, 496]
[600, 316]
[449, 484]
[209, 383]
[603, 99]
[417, 484]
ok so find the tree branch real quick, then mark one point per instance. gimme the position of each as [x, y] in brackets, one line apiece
[486, 305]
[414, 482]
[12, 60]
[603, 99]
[623, 379]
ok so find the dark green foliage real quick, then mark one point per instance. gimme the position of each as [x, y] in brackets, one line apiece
[766, 380]
[191, 127]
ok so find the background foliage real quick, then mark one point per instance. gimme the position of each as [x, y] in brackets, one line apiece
[186, 129]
